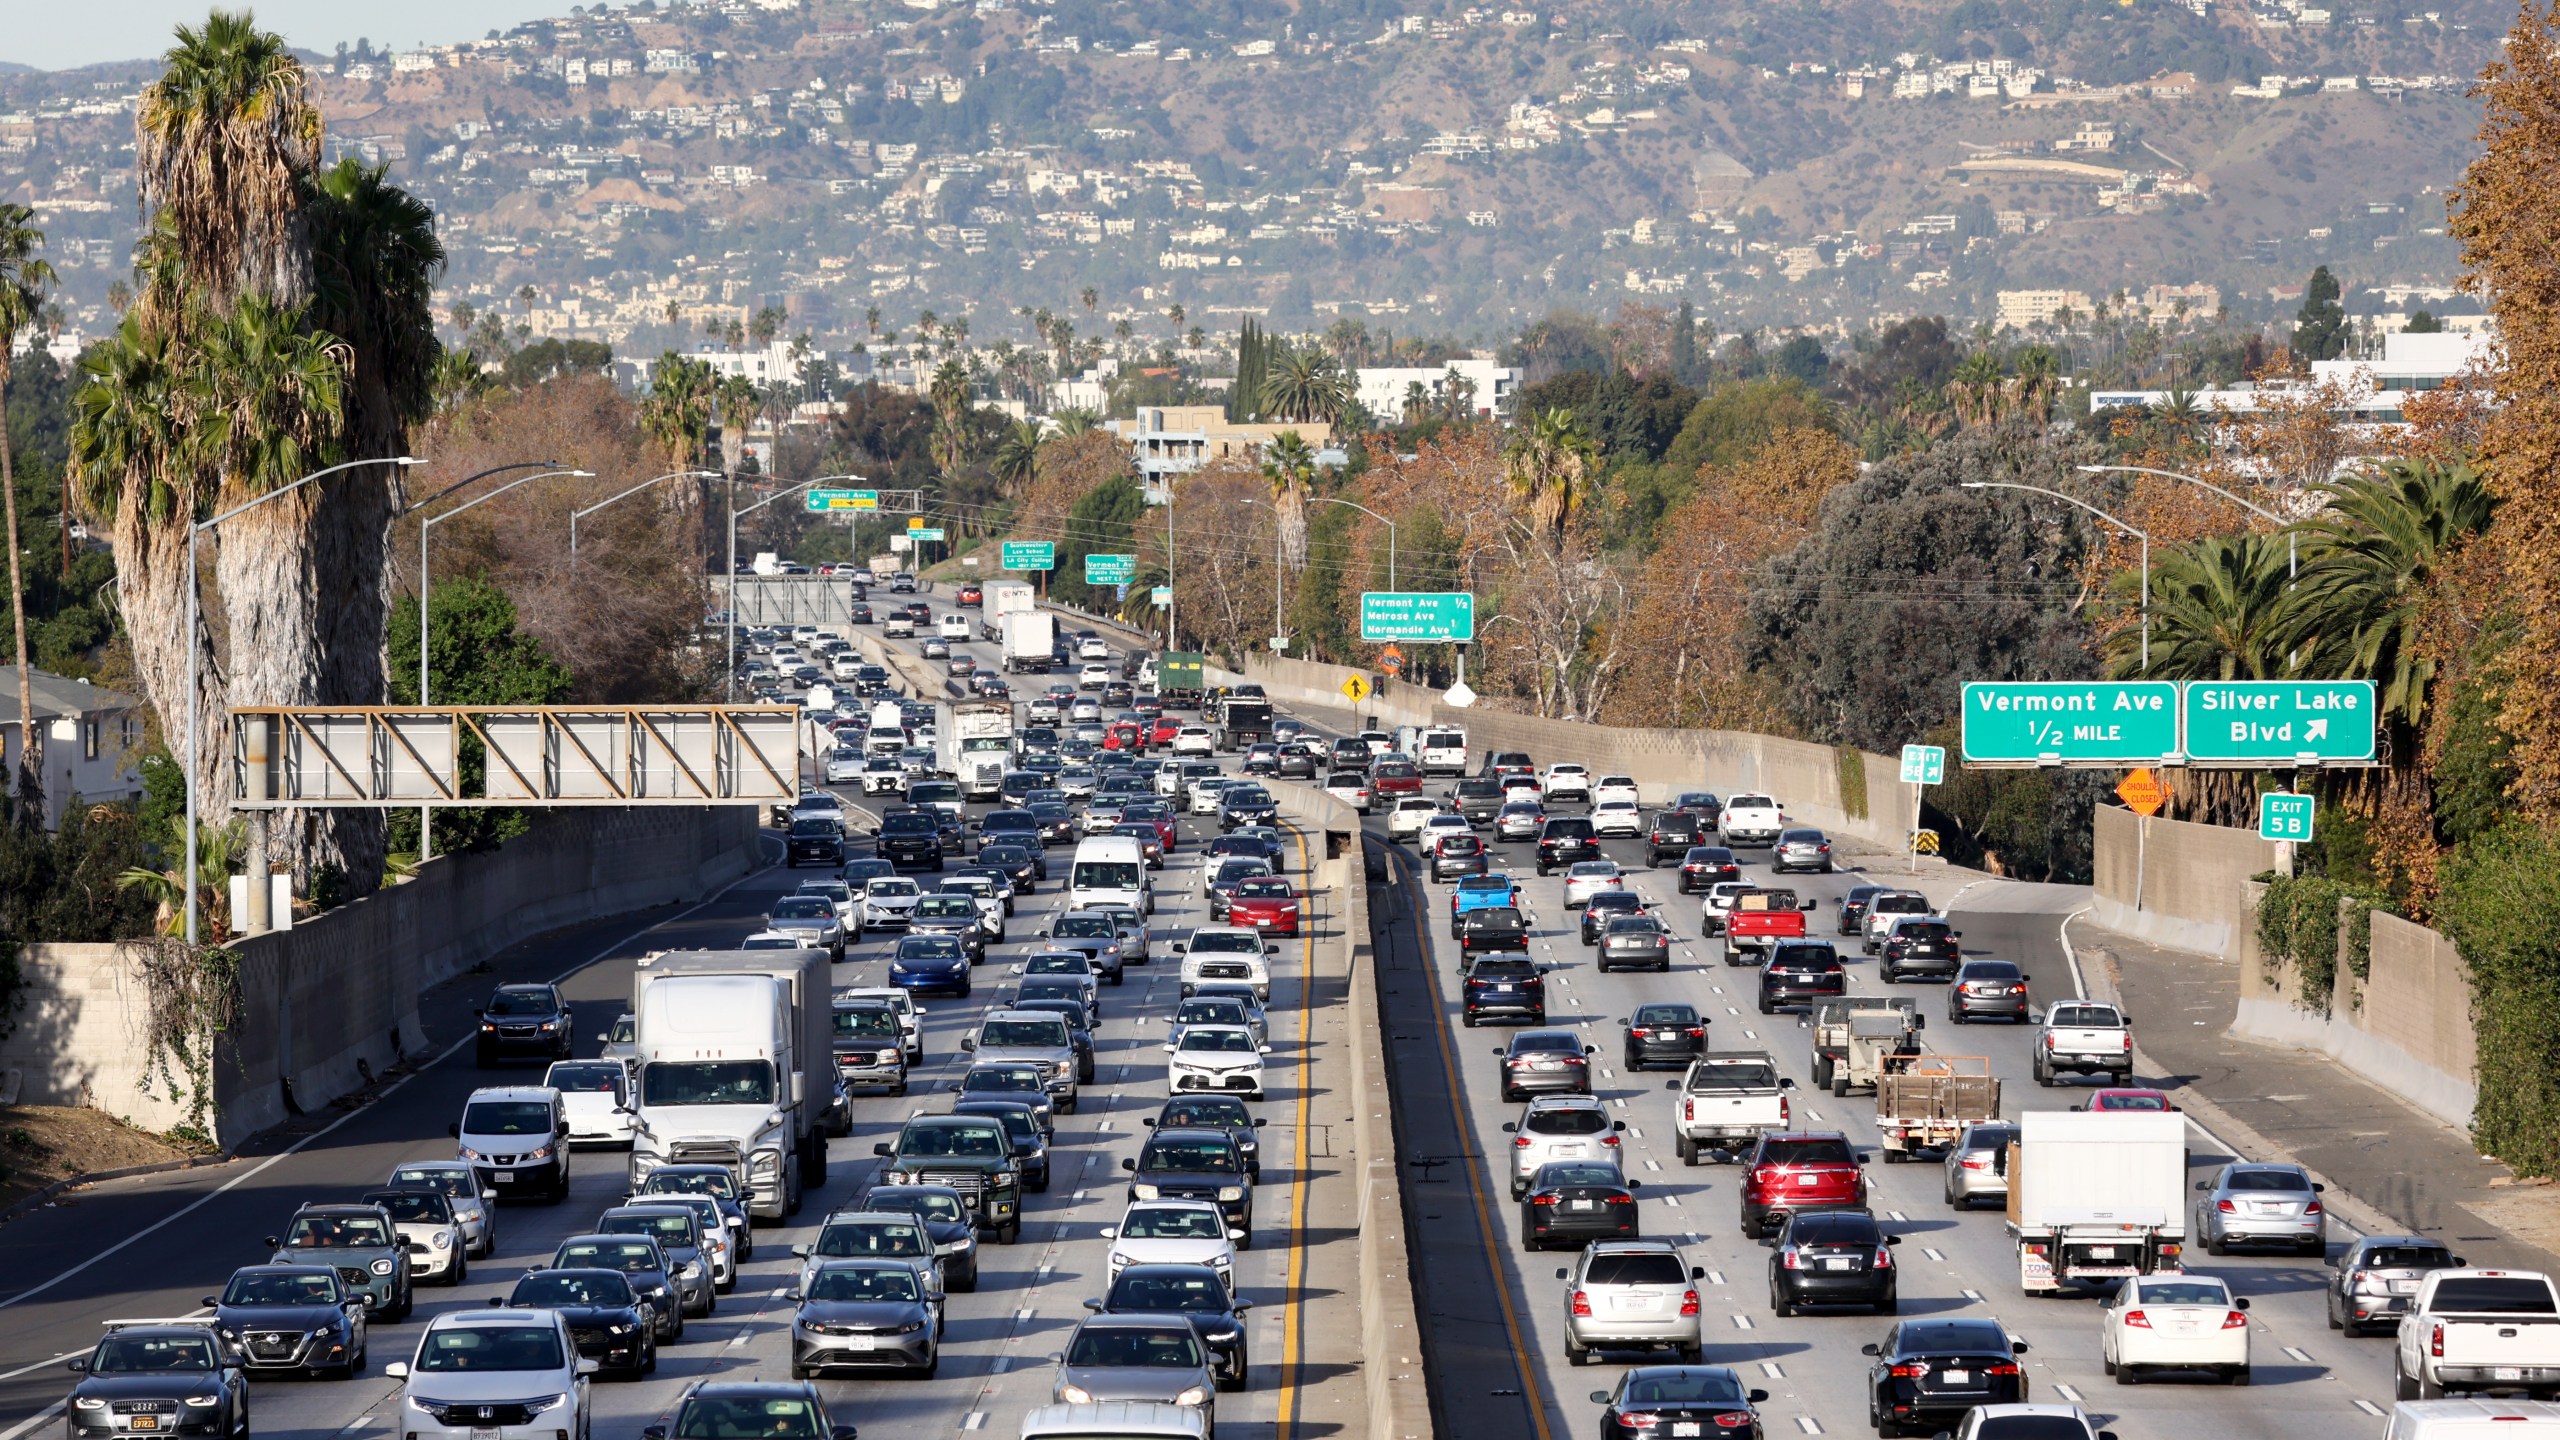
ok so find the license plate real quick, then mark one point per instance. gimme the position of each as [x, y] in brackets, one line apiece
[506, 1176]
[1635, 1302]
[1839, 1264]
[2404, 1287]
[1685, 1427]
[1563, 1150]
[1808, 1179]
[2506, 1372]
[861, 1342]
[146, 1422]
[2102, 1252]
[1956, 1377]
[1585, 1205]
[478, 1433]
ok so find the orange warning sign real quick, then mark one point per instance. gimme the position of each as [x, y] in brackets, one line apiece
[2142, 793]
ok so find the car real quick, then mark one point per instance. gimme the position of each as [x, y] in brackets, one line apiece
[425, 1222]
[1633, 1294]
[970, 594]
[608, 1320]
[2124, 1099]
[1545, 1062]
[1798, 971]
[180, 1375]
[870, 1046]
[2261, 1204]
[1195, 1163]
[1587, 878]
[1522, 787]
[1023, 1080]
[1407, 815]
[474, 1206]
[910, 1014]
[818, 839]
[1670, 835]
[1503, 986]
[734, 1409]
[883, 775]
[865, 1314]
[1702, 866]
[987, 888]
[1481, 891]
[811, 915]
[1261, 758]
[897, 1237]
[1927, 1373]
[1194, 740]
[1025, 1127]
[2376, 1277]
[1883, 908]
[1351, 787]
[1295, 762]
[1439, 828]
[1605, 906]
[1134, 1360]
[1519, 820]
[713, 1183]
[1224, 953]
[1220, 1058]
[1557, 1128]
[1664, 1033]
[1987, 990]
[1634, 942]
[947, 1224]
[930, 962]
[1035, 1038]
[637, 1258]
[969, 1153]
[1800, 849]
[1790, 1172]
[292, 1319]
[1833, 1257]
[496, 1374]
[1573, 1201]
[1853, 907]
[1199, 1292]
[1215, 1112]
[1568, 840]
[517, 1137]
[911, 840]
[1563, 782]
[1264, 903]
[2033, 1422]
[888, 901]
[1661, 1400]
[1977, 1164]
[1717, 908]
[844, 767]
[1171, 1232]
[1919, 945]
[691, 1247]
[953, 915]
[1491, 929]
[2174, 1322]
[523, 1022]
[1616, 817]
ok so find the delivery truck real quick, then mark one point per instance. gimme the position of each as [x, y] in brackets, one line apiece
[1004, 597]
[737, 1069]
[1030, 641]
[979, 746]
[2097, 1196]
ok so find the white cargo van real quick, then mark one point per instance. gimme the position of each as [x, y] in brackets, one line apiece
[2469, 1419]
[1109, 870]
[1443, 750]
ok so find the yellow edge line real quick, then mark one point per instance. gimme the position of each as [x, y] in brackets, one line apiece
[1530, 1389]
[1290, 1333]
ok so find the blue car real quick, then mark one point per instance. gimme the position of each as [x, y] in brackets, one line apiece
[1481, 892]
[930, 962]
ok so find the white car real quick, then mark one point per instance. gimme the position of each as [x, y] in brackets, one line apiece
[1194, 740]
[990, 901]
[523, 1361]
[1615, 787]
[2042, 1420]
[438, 1247]
[473, 1205]
[1588, 878]
[952, 625]
[888, 901]
[1410, 814]
[1216, 1059]
[910, 1014]
[1561, 1127]
[1094, 676]
[1172, 1232]
[1092, 648]
[1616, 817]
[1201, 792]
[883, 775]
[1564, 782]
[2174, 1322]
[1713, 910]
[1350, 788]
[840, 895]
[844, 767]
[1225, 955]
[936, 648]
[597, 1095]
[1380, 743]
[1437, 828]
[846, 665]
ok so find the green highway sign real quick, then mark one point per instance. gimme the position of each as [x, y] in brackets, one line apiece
[2284, 817]
[2093, 723]
[1110, 569]
[1030, 555]
[926, 533]
[825, 500]
[1426, 616]
[1924, 764]
[2279, 721]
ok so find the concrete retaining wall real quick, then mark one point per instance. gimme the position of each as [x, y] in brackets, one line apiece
[2406, 1027]
[333, 1002]
[2176, 883]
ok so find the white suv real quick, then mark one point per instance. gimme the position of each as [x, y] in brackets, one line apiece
[1561, 1127]
[1567, 782]
[494, 1375]
[1194, 740]
[1610, 789]
[517, 1138]
[1410, 814]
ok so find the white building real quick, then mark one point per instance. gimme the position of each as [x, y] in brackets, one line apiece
[2378, 388]
[1383, 388]
[92, 740]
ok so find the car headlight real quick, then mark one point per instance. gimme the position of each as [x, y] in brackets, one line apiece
[911, 1327]
[444, 1239]
[547, 1402]
[542, 1152]
[1196, 1395]
[1075, 1395]
[1231, 1192]
[89, 1402]
[470, 1154]
[1144, 1192]
[204, 1402]
[620, 1329]
[381, 1267]
[323, 1332]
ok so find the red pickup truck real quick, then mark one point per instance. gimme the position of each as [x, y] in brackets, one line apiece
[1759, 919]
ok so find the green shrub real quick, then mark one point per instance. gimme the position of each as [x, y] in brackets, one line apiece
[2500, 905]
[1853, 779]
[2299, 926]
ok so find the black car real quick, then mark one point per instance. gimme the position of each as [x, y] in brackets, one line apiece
[1021, 1122]
[1669, 1033]
[1010, 826]
[1833, 1257]
[860, 614]
[1024, 865]
[1057, 822]
[1671, 835]
[1215, 1112]
[1491, 930]
[1506, 987]
[1193, 1290]
[1545, 1062]
[1563, 839]
[1195, 1163]
[608, 1320]
[1914, 1382]
[524, 1022]
[1604, 907]
[1458, 856]
[816, 840]
[292, 1319]
[1701, 803]
[1704, 865]
[1988, 990]
[1919, 947]
[727, 1409]
[181, 1376]
[911, 840]
[1242, 805]
[1853, 906]
[641, 1263]
[1800, 970]
[944, 1212]
[1654, 1401]
[1574, 1201]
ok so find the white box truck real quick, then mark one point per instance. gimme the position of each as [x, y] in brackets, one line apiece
[979, 746]
[2097, 1196]
[1002, 598]
[1030, 640]
[737, 1068]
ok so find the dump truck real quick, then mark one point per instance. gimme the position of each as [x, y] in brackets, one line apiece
[1926, 1103]
[1180, 677]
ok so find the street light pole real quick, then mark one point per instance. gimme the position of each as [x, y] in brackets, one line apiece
[1374, 515]
[2292, 542]
[729, 683]
[194, 529]
[2143, 535]
[575, 515]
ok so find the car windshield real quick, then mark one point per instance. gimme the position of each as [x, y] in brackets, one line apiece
[1505, 970]
[522, 1002]
[937, 1209]
[1205, 1038]
[1050, 989]
[146, 1354]
[1106, 874]
[1173, 1222]
[1116, 1346]
[874, 1284]
[1209, 1012]
[270, 1288]
[2265, 1180]
[2031, 1427]
[727, 1417]
[1022, 1032]
[1744, 1075]
[1666, 1015]
[815, 826]
[337, 1230]
[1226, 942]
[586, 1075]
[1190, 1155]
[490, 1347]
[414, 1206]
[1224, 1113]
[546, 1288]
[2131, 1101]
[1055, 964]
[985, 1142]
[450, 1182]
[707, 1082]
[631, 1257]
[671, 1230]
[929, 947]
[1073, 927]
[1183, 1289]
[1001, 1078]
[1578, 1174]
[889, 887]
[1805, 1152]
[2098, 1016]
[1683, 1386]
[866, 1022]
[947, 907]
[1644, 1267]
[1834, 1230]
[1990, 970]
[1587, 869]
[1927, 932]
[873, 1238]
[1635, 925]
[1552, 1042]
[803, 907]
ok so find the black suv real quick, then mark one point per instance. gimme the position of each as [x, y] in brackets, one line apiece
[1506, 986]
[1833, 1257]
[1671, 835]
[527, 1022]
[1196, 1163]
[912, 840]
[1800, 970]
[1564, 839]
[816, 839]
[1921, 947]
[1491, 929]
[1704, 865]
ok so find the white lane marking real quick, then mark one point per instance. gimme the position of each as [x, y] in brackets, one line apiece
[1639, 1134]
[1972, 1294]
[1079, 1196]
[1729, 1010]
[1771, 1369]
[1023, 1315]
[1897, 1215]
[741, 1338]
[357, 1424]
[1671, 1200]
[977, 1421]
[2067, 1393]
[1808, 1425]
[782, 1292]
[1105, 1125]
[1741, 1321]
[2368, 1407]
[1003, 1363]
[1041, 1277]
[1715, 1277]
[1933, 1254]
[1605, 1072]
[2297, 1354]
[32, 1421]
[1813, 1115]
[1750, 1034]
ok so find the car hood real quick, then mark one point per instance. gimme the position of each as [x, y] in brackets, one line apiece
[1138, 1383]
[802, 922]
[598, 1314]
[162, 1386]
[861, 1312]
[915, 963]
[1187, 1179]
[276, 1317]
[450, 1387]
[1172, 1252]
[891, 902]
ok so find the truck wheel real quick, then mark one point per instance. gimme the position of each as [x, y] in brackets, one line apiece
[1839, 1085]
[1686, 1149]
[2044, 1077]
[1011, 1232]
[2401, 1389]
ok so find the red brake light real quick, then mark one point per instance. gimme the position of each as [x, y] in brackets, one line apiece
[1697, 1032]
[1521, 1142]
[1734, 1419]
[2226, 1207]
[1542, 1199]
[1908, 1372]
[2235, 1321]
[1581, 1303]
[2003, 1368]
[2137, 1320]
[1788, 1260]
[1783, 1111]
[1689, 1302]
[1638, 1419]
[2435, 1342]
[1609, 1140]
[2311, 1209]
[1884, 1258]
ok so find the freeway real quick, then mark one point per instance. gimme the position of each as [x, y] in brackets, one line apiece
[156, 1249]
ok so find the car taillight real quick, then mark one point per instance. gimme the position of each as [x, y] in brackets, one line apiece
[1789, 1260]
[1581, 1303]
[1521, 1142]
[2137, 1320]
[1733, 1419]
[2234, 1320]
[2048, 1042]
[1689, 1110]
[2435, 1342]
[1609, 1140]
[1884, 1258]
[1908, 1371]
[1783, 1110]
[2003, 1368]
[1977, 1160]
[2311, 1209]
[1542, 1199]
[1697, 1032]
[2226, 1207]
[1638, 1419]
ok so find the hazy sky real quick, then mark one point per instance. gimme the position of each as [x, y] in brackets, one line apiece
[53, 36]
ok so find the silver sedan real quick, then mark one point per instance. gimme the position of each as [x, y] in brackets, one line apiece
[2249, 1204]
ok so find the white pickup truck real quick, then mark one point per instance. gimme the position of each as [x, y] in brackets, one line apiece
[1751, 820]
[2085, 1037]
[1727, 1100]
[2479, 1330]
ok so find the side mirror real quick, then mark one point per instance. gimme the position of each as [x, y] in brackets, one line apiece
[399, 1370]
[1599, 1397]
[1563, 1274]
[1618, 1126]
[77, 1366]
[211, 1300]
[1590, 1049]
[1094, 1305]
[2240, 1304]
[799, 1252]
[2318, 1189]
[1258, 1124]
[1500, 1051]
[882, 1149]
[2017, 1347]
[454, 1130]
[1129, 1165]
[1866, 1350]
[1756, 1396]
[1919, 1022]
[1635, 1184]
[1893, 1239]
[968, 1042]
[1806, 906]
[2024, 977]
[2201, 1185]
[1783, 1082]
[2076, 1109]
[587, 1366]
[271, 1242]
[1672, 1085]
[1150, 1122]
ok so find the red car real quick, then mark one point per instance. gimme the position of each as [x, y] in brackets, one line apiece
[1267, 905]
[1792, 1172]
[1125, 736]
[1396, 777]
[1168, 834]
[970, 595]
[2122, 1099]
[1163, 731]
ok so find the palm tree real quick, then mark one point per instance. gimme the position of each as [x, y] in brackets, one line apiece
[24, 279]
[2218, 612]
[1174, 313]
[1549, 463]
[2369, 560]
[1075, 422]
[1975, 388]
[1417, 402]
[1090, 297]
[2039, 372]
[737, 401]
[218, 848]
[1305, 385]
[223, 140]
[949, 391]
[1289, 464]
[1017, 457]
[676, 416]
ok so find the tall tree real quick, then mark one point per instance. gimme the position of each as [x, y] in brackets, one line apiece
[1548, 462]
[2370, 559]
[677, 414]
[736, 403]
[1289, 467]
[1305, 385]
[2218, 612]
[2320, 326]
[24, 278]
[224, 140]
[1017, 457]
